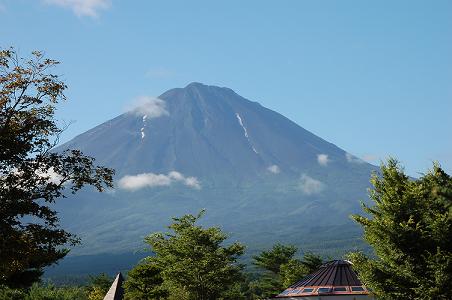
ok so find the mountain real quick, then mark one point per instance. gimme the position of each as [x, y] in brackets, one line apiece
[260, 176]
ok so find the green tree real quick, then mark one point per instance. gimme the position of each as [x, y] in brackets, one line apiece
[270, 262]
[193, 259]
[32, 176]
[51, 292]
[145, 282]
[98, 286]
[409, 228]
[296, 269]
[281, 269]
[237, 291]
[266, 286]
[96, 293]
[7, 293]
[312, 262]
[44, 292]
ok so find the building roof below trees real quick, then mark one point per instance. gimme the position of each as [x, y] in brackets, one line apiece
[331, 279]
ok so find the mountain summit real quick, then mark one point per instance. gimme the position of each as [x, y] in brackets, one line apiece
[259, 175]
[206, 131]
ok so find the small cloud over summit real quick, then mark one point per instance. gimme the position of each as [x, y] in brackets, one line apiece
[148, 106]
[81, 8]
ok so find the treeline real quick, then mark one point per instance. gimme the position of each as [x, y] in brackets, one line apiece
[191, 262]
[96, 289]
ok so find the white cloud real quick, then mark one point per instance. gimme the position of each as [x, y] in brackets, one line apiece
[150, 107]
[192, 182]
[274, 169]
[82, 8]
[353, 159]
[310, 186]
[136, 182]
[150, 180]
[176, 176]
[50, 175]
[323, 159]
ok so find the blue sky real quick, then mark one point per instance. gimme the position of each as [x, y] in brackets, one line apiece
[373, 77]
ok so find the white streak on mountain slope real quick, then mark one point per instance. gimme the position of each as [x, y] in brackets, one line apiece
[148, 108]
[142, 128]
[241, 124]
[245, 132]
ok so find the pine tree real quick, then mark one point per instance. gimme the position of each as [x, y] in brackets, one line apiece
[410, 230]
[194, 261]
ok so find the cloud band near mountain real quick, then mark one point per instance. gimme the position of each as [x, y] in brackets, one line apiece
[151, 180]
[150, 107]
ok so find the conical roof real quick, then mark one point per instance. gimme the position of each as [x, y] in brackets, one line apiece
[333, 278]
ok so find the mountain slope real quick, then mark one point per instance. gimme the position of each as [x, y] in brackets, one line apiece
[259, 175]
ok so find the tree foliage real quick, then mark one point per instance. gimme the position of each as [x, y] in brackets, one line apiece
[281, 269]
[296, 269]
[32, 176]
[98, 286]
[7, 293]
[410, 229]
[193, 261]
[44, 292]
[272, 260]
[269, 262]
[145, 282]
[95, 290]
